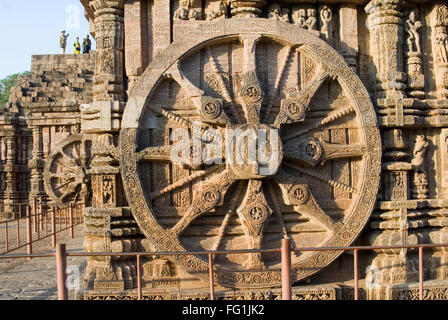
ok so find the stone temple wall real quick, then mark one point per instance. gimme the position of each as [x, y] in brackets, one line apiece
[49, 100]
[356, 92]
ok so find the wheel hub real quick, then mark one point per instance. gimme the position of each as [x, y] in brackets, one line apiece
[255, 151]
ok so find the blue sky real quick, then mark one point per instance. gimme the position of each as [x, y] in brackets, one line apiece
[33, 27]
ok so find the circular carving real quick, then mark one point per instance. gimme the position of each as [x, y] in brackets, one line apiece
[211, 109]
[258, 214]
[211, 197]
[196, 192]
[300, 194]
[295, 110]
[65, 173]
[251, 93]
[314, 150]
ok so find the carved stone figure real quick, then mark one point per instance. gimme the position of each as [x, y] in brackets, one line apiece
[301, 18]
[108, 196]
[311, 22]
[412, 27]
[185, 12]
[326, 15]
[277, 13]
[274, 11]
[285, 15]
[305, 18]
[421, 146]
[416, 80]
[442, 44]
[420, 190]
[220, 13]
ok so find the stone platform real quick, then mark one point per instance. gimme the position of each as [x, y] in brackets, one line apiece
[36, 279]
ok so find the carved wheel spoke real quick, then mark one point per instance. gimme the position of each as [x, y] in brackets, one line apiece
[156, 154]
[210, 195]
[312, 152]
[251, 93]
[301, 198]
[254, 214]
[226, 220]
[176, 73]
[225, 91]
[278, 83]
[335, 184]
[181, 183]
[332, 117]
[210, 133]
[210, 109]
[294, 109]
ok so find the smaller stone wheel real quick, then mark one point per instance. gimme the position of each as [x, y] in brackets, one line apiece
[65, 173]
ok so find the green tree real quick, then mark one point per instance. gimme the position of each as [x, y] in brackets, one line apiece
[5, 86]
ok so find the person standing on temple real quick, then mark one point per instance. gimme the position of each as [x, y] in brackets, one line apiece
[86, 45]
[63, 41]
[77, 46]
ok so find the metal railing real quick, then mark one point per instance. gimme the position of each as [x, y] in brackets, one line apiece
[42, 221]
[286, 251]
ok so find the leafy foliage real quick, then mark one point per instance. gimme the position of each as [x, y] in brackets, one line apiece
[5, 86]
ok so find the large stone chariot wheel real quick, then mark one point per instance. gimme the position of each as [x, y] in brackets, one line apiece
[65, 173]
[302, 159]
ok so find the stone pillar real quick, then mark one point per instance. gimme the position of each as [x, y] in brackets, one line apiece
[102, 119]
[391, 267]
[247, 8]
[106, 182]
[37, 165]
[348, 15]
[439, 17]
[109, 36]
[161, 25]
[11, 180]
[108, 224]
[135, 56]
[386, 32]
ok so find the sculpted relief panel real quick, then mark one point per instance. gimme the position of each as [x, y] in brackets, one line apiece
[193, 179]
[230, 124]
